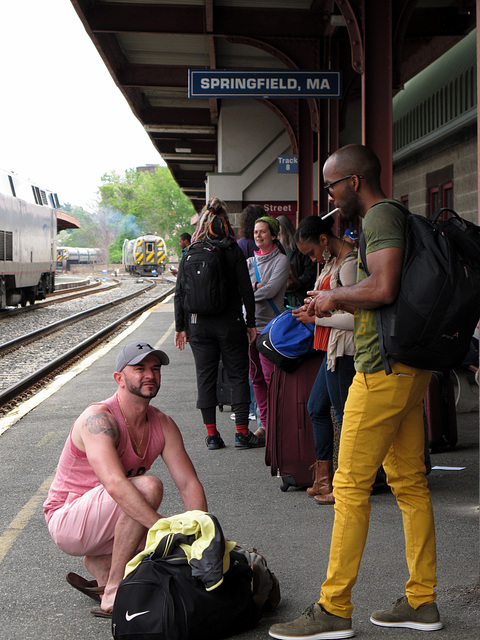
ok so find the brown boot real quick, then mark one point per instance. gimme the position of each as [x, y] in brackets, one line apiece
[326, 496]
[322, 483]
[326, 499]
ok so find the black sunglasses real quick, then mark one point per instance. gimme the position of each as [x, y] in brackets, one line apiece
[328, 186]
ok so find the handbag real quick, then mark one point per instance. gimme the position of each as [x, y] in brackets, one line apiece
[286, 341]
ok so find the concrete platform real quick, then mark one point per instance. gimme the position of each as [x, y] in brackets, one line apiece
[288, 528]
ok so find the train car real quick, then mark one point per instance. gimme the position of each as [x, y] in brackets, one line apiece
[145, 255]
[66, 256]
[28, 233]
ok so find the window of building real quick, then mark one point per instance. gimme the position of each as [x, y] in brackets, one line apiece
[440, 190]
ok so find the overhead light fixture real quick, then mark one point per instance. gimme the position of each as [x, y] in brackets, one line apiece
[199, 157]
[180, 129]
[338, 21]
[183, 146]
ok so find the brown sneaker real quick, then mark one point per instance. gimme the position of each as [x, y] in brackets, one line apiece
[315, 623]
[425, 618]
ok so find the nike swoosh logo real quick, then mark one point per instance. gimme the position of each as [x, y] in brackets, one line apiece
[266, 345]
[129, 616]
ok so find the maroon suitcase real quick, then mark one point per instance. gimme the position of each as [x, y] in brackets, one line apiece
[440, 412]
[290, 447]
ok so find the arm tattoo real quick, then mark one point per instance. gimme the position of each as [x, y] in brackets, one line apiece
[102, 423]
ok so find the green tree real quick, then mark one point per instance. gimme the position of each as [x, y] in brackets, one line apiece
[88, 233]
[153, 200]
[131, 206]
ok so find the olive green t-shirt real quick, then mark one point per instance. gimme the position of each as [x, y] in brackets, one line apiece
[383, 227]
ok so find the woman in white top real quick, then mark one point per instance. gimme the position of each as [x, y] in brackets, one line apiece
[334, 336]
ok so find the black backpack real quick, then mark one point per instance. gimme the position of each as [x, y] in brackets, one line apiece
[431, 323]
[161, 600]
[204, 277]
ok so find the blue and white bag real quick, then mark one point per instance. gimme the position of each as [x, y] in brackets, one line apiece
[286, 341]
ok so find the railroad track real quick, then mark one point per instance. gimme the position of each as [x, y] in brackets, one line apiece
[58, 345]
[62, 295]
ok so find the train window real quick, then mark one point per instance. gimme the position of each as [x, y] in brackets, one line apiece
[6, 245]
[149, 246]
[53, 201]
[43, 197]
[36, 195]
[12, 187]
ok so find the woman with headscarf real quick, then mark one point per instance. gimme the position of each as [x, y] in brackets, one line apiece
[224, 335]
[269, 269]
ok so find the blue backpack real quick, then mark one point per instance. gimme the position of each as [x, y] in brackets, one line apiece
[285, 341]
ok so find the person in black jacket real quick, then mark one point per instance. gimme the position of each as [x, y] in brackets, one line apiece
[224, 335]
[303, 272]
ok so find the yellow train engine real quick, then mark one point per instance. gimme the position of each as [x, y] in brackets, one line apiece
[145, 255]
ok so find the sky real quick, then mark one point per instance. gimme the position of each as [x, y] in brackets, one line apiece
[63, 121]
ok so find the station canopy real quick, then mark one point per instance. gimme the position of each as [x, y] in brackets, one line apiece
[150, 45]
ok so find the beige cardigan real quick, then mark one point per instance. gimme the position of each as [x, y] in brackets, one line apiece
[340, 341]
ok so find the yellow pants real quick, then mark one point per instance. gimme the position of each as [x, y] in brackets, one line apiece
[382, 424]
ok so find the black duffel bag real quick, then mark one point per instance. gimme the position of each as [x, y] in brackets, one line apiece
[160, 600]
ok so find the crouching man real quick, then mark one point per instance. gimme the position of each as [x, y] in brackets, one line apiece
[101, 503]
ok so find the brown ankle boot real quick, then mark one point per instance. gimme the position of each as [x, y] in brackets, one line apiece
[325, 499]
[325, 496]
[322, 474]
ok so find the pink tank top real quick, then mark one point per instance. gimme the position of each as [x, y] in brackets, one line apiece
[75, 476]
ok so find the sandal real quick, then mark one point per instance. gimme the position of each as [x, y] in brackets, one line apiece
[101, 613]
[89, 587]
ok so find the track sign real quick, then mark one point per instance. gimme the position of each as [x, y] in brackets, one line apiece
[287, 164]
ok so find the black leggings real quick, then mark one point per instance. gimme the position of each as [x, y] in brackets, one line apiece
[220, 337]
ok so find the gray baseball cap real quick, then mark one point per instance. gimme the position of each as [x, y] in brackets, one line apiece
[136, 352]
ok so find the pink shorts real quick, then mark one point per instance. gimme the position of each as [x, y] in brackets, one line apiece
[85, 525]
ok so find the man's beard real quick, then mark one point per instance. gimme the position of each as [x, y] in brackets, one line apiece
[137, 391]
[349, 207]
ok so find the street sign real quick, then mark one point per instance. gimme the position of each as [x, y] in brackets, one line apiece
[207, 83]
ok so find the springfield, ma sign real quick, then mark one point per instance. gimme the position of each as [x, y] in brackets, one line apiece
[263, 84]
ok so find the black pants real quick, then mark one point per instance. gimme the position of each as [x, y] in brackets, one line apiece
[212, 338]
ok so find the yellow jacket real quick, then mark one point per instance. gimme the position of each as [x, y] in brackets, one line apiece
[194, 535]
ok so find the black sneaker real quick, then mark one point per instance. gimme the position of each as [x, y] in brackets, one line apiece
[248, 442]
[214, 442]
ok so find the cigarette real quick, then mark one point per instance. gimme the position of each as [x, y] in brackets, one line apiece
[330, 213]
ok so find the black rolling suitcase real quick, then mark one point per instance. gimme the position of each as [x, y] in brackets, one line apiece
[290, 447]
[440, 412]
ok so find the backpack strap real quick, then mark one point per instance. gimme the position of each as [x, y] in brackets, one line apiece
[378, 312]
[269, 300]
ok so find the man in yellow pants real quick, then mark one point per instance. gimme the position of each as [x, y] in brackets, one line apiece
[382, 423]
